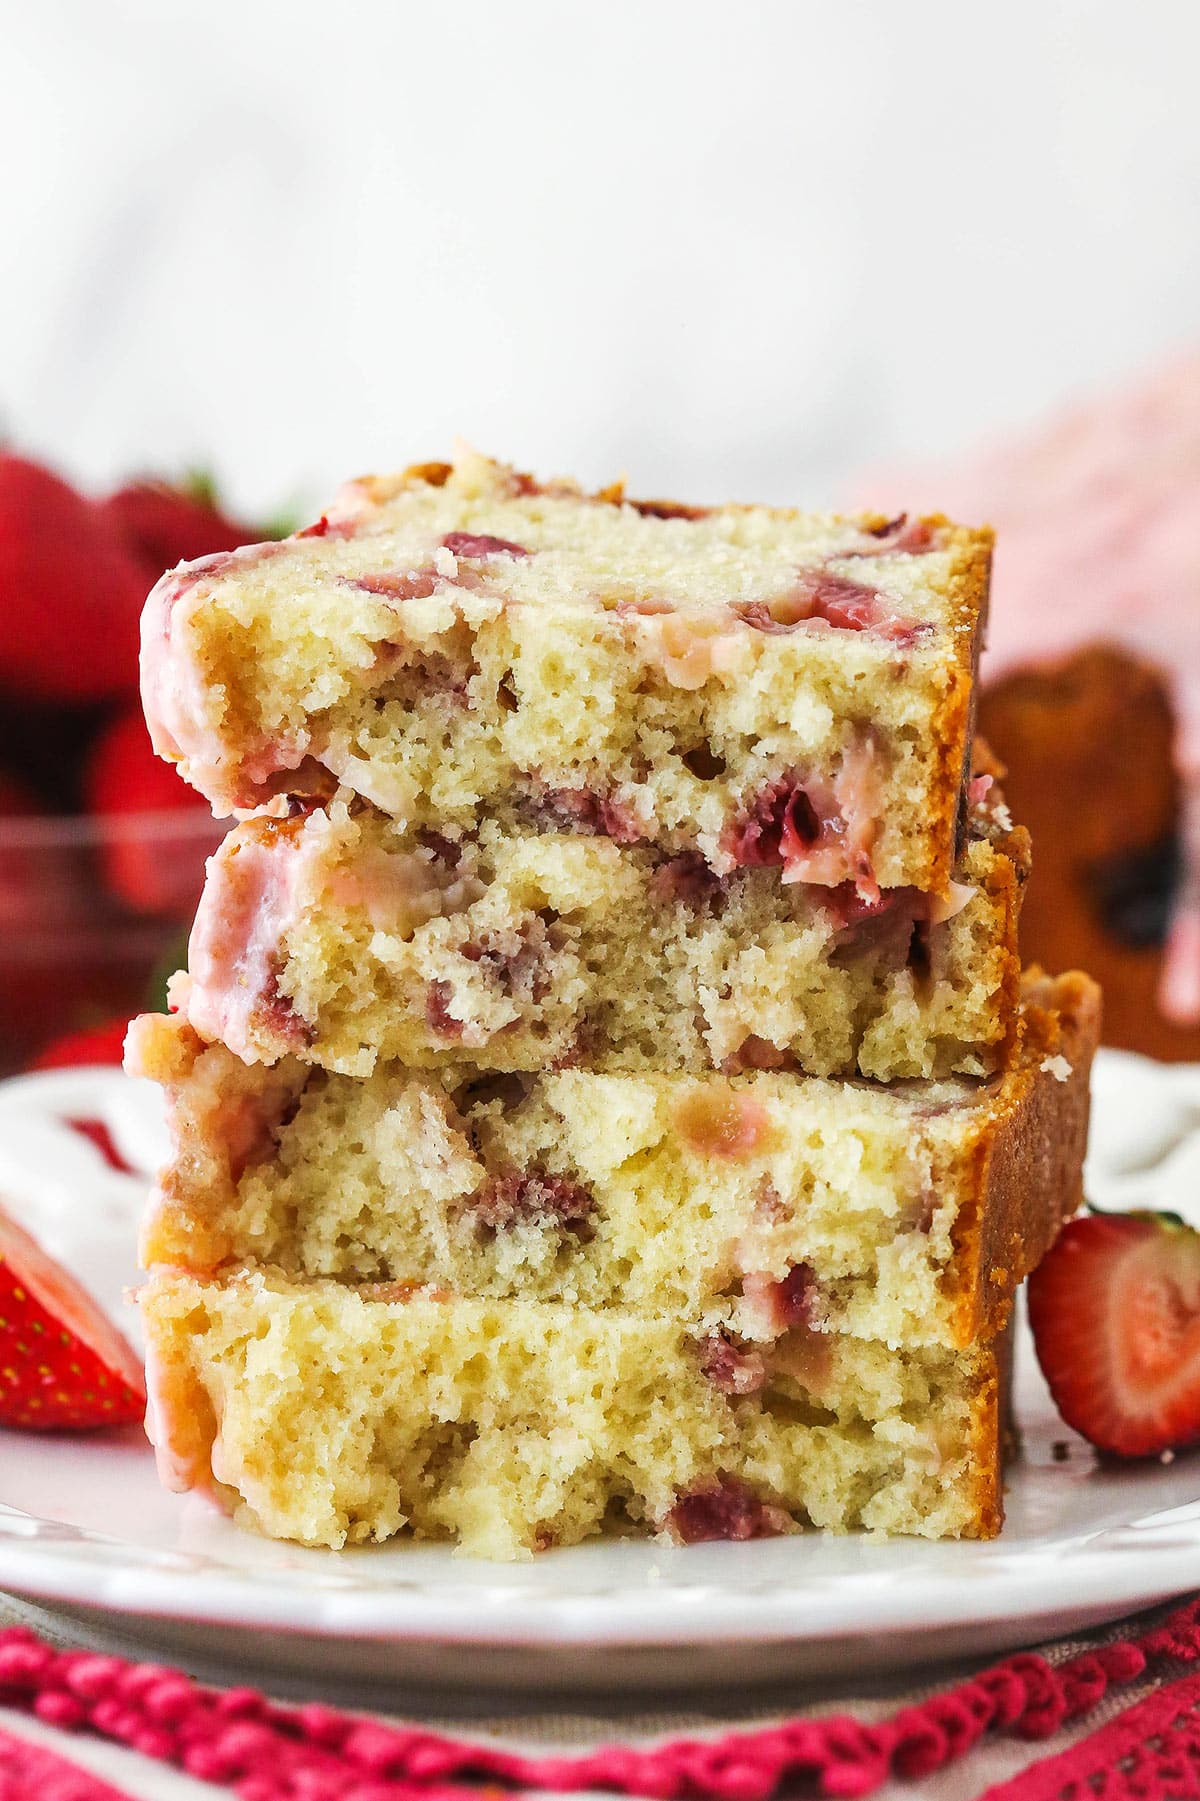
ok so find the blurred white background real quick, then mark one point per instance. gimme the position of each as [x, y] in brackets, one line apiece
[728, 246]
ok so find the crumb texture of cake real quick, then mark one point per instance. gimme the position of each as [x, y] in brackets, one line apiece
[339, 937]
[754, 1206]
[763, 687]
[331, 1416]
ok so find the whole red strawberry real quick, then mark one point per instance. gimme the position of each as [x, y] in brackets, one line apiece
[62, 1362]
[1115, 1312]
[153, 860]
[123, 774]
[104, 1043]
[162, 525]
[70, 592]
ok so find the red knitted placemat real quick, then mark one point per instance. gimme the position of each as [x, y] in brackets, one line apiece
[27, 1771]
[1150, 1751]
[240, 1739]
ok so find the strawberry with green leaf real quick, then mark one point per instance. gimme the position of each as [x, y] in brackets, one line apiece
[163, 523]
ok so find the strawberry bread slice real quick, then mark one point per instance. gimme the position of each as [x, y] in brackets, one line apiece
[756, 686]
[337, 936]
[746, 1207]
[334, 1415]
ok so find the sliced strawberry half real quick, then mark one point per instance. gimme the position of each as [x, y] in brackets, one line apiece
[1115, 1312]
[63, 1364]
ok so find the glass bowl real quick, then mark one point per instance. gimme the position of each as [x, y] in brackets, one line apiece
[94, 914]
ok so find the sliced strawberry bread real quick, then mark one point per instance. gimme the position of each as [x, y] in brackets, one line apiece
[751, 1206]
[603, 1096]
[337, 936]
[334, 1414]
[758, 686]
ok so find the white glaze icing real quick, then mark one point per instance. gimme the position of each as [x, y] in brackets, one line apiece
[175, 694]
[250, 898]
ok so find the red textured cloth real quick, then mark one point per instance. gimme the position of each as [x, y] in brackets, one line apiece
[241, 1740]
[1150, 1752]
[27, 1771]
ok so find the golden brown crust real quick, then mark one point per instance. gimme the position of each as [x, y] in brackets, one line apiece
[1102, 819]
[954, 730]
[1006, 883]
[1028, 1155]
[434, 475]
[987, 1440]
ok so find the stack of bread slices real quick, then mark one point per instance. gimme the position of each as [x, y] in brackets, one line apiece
[604, 1092]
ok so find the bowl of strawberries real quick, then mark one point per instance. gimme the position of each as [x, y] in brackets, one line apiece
[102, 847]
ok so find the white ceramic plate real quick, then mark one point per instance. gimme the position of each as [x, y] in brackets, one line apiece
[83, 1522]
